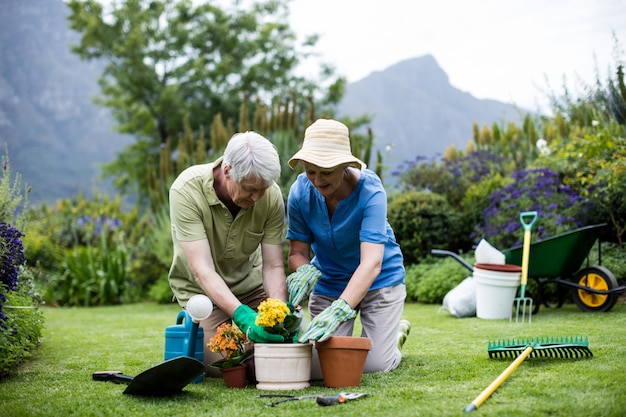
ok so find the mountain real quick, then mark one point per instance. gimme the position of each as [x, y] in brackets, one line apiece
[56, 137]
[416, 111]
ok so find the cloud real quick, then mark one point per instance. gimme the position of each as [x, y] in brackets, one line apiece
[490, 48]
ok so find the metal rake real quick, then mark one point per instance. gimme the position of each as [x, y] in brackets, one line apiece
[556, 347]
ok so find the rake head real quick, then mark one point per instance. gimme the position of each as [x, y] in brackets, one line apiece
[555, 347]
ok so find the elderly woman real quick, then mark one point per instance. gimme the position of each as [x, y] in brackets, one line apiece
[337, 210]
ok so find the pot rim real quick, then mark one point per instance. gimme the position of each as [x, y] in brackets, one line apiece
[499, 268]
[345, 342]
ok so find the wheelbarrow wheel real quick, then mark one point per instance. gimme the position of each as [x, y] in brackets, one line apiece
[597, 278]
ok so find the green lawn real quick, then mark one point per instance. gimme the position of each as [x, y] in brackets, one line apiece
[445, 367]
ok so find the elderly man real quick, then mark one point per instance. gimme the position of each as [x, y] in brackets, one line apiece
[227, 227]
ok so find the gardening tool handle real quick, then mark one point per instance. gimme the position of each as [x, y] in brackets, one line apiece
[482, 397]
[528, 219]
[331, 400]
[112, 376]
[460, 260]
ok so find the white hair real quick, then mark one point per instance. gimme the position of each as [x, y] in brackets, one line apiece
[251, 155]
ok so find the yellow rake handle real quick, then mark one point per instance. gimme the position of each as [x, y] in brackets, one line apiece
[482, 397]
[528, 220]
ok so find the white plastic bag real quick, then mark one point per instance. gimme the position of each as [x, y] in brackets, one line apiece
[487, 254]
[460, 301]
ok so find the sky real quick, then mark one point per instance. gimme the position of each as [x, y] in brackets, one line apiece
[514, 51]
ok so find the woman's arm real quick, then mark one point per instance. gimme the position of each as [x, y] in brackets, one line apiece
[367, 271]
[299, 254]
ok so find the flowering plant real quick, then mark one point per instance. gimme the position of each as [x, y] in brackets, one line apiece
[280, 318]
[560, 208]
[11, 260]
[230, 342]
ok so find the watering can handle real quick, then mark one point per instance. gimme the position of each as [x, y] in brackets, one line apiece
[528, 219]
[183, 316]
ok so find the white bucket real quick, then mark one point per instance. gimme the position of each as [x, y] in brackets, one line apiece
[496, 287]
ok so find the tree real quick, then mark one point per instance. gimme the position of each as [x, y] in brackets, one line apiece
[169, 59]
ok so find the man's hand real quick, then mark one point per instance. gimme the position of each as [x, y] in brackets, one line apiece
[326, 323]
[244, 317]
[301, 283]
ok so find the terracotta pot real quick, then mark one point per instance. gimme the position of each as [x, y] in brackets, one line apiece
[282, 366]
[342, 359]
[235, 377]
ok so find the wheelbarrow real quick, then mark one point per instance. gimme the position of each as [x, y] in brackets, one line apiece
[558, 260]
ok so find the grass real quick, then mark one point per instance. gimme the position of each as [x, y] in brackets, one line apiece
[445, 367]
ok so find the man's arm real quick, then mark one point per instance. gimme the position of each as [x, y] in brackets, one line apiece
[198, 254]
[274, 279]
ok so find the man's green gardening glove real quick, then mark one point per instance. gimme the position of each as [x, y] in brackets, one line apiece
[245, 317]
[301, 283]
[325, 324]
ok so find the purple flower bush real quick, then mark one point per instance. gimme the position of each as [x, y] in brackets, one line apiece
[11, 254]
[11, 259]
[450, 178]
[559, 208]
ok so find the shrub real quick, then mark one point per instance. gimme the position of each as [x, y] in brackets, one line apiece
[41, 251]
[20, 320]
[452, 178]
[20, 326]
[558, 206]
[11, 256]
[594, 164]
[423, 221]
[103, 255]
[97, 273]
[430, 281]
[476, 200]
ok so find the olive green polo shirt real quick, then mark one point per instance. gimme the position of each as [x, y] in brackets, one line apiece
[196, 213]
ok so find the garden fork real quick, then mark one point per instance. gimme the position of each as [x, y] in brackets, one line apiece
[523, 303]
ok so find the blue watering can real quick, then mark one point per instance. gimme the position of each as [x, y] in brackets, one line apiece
[185, 338]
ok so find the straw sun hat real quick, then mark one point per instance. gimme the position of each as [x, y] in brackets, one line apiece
[326, 145]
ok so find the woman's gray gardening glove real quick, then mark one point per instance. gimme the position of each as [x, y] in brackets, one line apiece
[301, 283]
[245, 318]
[325, 324]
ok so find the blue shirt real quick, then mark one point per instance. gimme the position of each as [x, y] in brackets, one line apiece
[360, 217]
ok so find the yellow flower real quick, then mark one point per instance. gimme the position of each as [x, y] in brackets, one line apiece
[271, 312]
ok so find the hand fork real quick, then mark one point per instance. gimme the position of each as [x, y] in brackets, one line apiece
[523, 303]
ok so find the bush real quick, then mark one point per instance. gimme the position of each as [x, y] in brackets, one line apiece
[21, 323]
[476, 200]
[594, 164]
[41, 250]
[423, 221]
[160, 249]
[559, 208]
[102, 254]
[452, 178]
[20, 320]
[430, 281]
